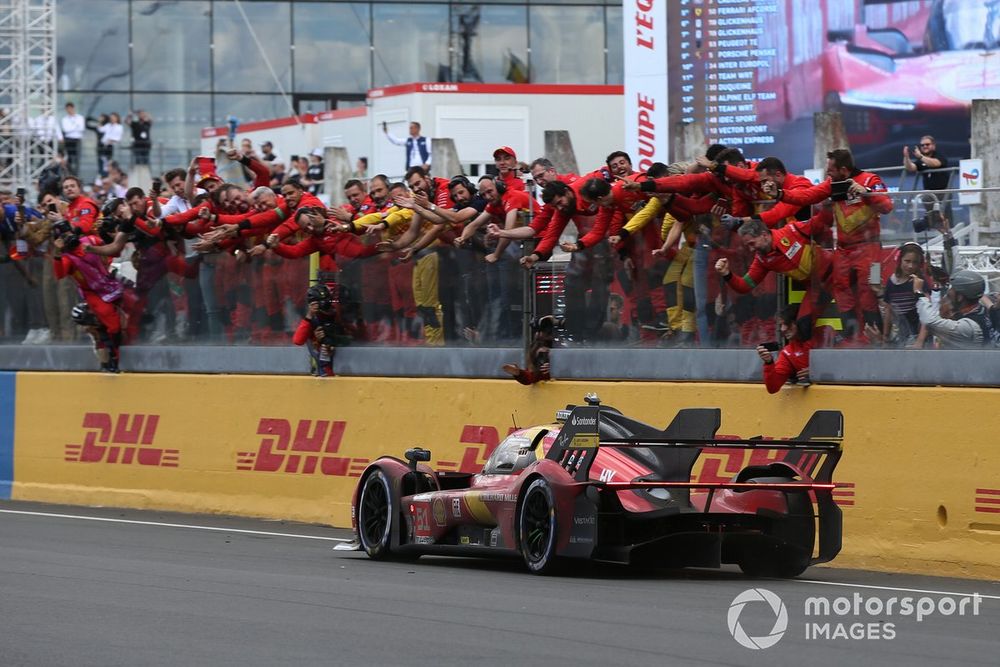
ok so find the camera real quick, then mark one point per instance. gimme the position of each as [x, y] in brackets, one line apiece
[61, 228]
[321, 295]
[157, 185]
[838, 190]
[332, 333]
[547, 323]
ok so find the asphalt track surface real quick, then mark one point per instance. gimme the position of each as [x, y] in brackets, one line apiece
[150, 588]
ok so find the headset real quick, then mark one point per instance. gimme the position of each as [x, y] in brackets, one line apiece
[462, 180]
[497, 182]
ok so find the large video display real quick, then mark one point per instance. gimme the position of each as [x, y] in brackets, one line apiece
[753, 72]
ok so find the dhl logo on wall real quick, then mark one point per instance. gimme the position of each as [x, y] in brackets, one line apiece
[920, 493]
[130, 441]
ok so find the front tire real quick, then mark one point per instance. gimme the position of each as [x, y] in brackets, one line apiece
[375, 516]
[537, 526]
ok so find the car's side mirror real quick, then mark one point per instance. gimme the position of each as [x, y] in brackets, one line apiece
[417, 455]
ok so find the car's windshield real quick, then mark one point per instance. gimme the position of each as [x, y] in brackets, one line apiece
[971, 24]
[512, 455]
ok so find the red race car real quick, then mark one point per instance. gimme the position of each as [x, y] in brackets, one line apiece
[602, 486]
[886, 86]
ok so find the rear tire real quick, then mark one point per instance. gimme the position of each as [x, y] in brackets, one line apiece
[780, 565]
[375, 514]
[537, 528]
[776, 562]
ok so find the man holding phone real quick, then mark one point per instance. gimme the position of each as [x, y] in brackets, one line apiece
[857, 200]
[792, 362]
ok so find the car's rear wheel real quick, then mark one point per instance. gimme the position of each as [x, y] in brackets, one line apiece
[778, 562]
[375, 516]
[537, 528]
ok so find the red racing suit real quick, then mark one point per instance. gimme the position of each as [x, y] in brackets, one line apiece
[858, 234]
[82, 213]
[793, 253]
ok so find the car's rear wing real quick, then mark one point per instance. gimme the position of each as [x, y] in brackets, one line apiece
[814, 452]
[811, 456]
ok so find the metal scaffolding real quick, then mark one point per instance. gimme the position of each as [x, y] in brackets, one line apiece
[28, 123]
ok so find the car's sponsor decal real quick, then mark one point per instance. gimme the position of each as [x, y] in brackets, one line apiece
[439, 516]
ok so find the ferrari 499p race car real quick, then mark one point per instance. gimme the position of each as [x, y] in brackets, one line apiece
[599, 485]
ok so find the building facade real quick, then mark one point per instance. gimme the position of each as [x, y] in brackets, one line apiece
[195, 63]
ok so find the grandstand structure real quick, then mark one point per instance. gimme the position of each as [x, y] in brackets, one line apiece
[28, 138]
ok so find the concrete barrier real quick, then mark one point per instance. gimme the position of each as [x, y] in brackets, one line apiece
[920, 472]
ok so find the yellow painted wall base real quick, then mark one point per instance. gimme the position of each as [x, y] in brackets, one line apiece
[923, 467]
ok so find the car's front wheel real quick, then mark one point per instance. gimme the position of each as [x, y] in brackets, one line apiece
[537, 527]
[375, 516]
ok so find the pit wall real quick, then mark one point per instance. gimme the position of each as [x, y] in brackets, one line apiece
[920, 471]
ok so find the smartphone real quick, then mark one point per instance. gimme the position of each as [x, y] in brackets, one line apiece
[20, 193]
[771, 346]
[295, 158]
[53, 208]
[875, 274]
[157, 185]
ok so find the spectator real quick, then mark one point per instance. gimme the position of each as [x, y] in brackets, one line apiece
[418, 147]
[140, 124]
[792, 363]
[267, 152]
[924, 157]
[969, 324]
[51, 177]
[119, 180]
[360, 167]
[297, 168]
[20, 293]
[45, 128]
[110, 133]
[277, 174]
[73, 125]
[901, 322]
[315, 172]
[613, 330]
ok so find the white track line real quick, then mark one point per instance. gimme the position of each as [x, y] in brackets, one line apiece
[177, 525]
[891, 588]
[341, 539]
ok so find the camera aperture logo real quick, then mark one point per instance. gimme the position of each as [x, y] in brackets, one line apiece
[770, 601]
[855, 617]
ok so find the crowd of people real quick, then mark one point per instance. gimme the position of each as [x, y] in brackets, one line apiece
[433, 260]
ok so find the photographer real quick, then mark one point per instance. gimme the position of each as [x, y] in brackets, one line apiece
[969, 324]
[103, 294]
[323, 328]
[543, 339]
[21, 294]
[792, 363]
